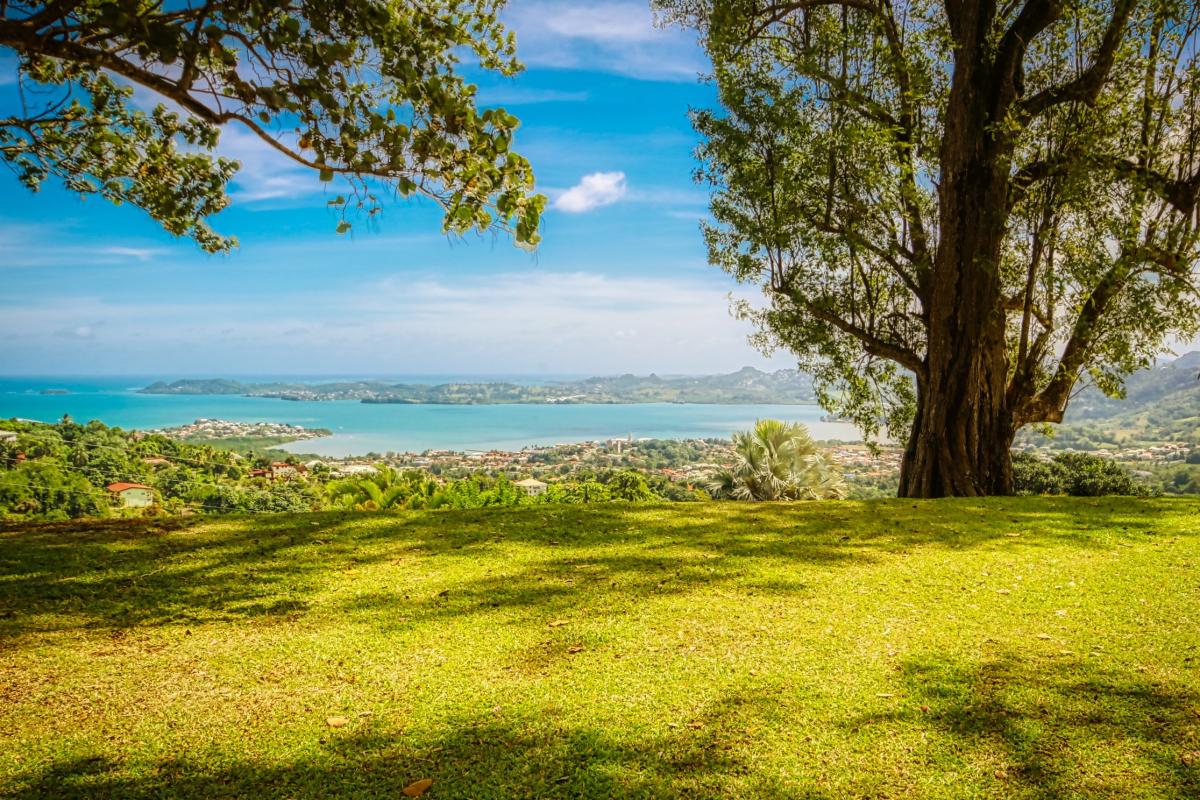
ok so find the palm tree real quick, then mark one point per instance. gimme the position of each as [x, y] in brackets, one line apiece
[386, 489]
[777, 461]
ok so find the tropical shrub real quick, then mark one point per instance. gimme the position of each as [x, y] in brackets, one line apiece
[1075, 474]
[777, 461]
[629, 485]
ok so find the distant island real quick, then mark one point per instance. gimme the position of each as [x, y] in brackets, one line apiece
[746, 386]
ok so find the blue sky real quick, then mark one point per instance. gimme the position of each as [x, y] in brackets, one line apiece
[619, 284]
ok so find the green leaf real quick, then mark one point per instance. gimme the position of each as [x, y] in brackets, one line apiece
[375, 89]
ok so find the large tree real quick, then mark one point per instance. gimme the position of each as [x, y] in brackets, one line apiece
[365, 90]
[958, 209]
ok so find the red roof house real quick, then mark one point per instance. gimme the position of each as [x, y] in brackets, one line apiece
[133, 495]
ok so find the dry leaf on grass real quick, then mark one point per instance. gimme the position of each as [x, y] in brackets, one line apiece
[418, 788]
[575, 648]
[558, 623]
[336, 722]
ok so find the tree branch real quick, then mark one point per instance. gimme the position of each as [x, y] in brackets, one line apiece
[1087, 85]
[906, 141]
[778, 11]
[1050, 403]
[1182, 194]
[871, 342]
[172, 90]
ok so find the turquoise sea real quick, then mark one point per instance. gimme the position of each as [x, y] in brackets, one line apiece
[361, 428]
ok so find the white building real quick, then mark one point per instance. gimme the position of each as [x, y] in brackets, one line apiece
[133, 495]
[531, 486]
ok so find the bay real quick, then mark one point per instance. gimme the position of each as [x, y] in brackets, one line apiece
[361, 428]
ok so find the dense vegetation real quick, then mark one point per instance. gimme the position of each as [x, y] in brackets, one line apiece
[388, 489]
[641, 454]
[1074, 474]
[1023, 649]
[61, 471]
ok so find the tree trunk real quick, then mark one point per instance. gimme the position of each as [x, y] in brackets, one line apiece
[962, 435]
[964, 427]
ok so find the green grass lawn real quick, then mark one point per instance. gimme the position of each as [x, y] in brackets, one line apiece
[1044, 648]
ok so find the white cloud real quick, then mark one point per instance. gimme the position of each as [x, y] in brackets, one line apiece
[616, 36]
[78, 332]
[28, 245]
[266, 174]
[142, 254]
[604, 22]
[548, 321]
[527, 321]
[525, 96]
[592, 191]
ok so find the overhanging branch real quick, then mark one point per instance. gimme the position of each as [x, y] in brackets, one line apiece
[1182, 194]
[1086, 86]
[871, 342]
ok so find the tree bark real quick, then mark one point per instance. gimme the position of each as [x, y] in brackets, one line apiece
[962, 435]
[964, 426]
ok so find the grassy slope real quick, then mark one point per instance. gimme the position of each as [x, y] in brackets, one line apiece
[1009, 648]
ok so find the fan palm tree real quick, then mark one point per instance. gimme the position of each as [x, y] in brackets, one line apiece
[777, 461]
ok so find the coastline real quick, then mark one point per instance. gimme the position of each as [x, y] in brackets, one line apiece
[361, 428]
[747, 385]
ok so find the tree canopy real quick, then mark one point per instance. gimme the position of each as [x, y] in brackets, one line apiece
[956, 208]
[364, 91]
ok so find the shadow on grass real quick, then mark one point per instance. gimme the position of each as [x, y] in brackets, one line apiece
[483, 758]
[1049, 729]
[122, 574]
[1003, 728]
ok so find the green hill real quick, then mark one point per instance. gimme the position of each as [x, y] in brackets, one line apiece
[747, 385]
[1010, 648]
[1161, 404]
[1178, 377]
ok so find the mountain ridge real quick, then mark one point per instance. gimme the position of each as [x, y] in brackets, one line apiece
[747, 385]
